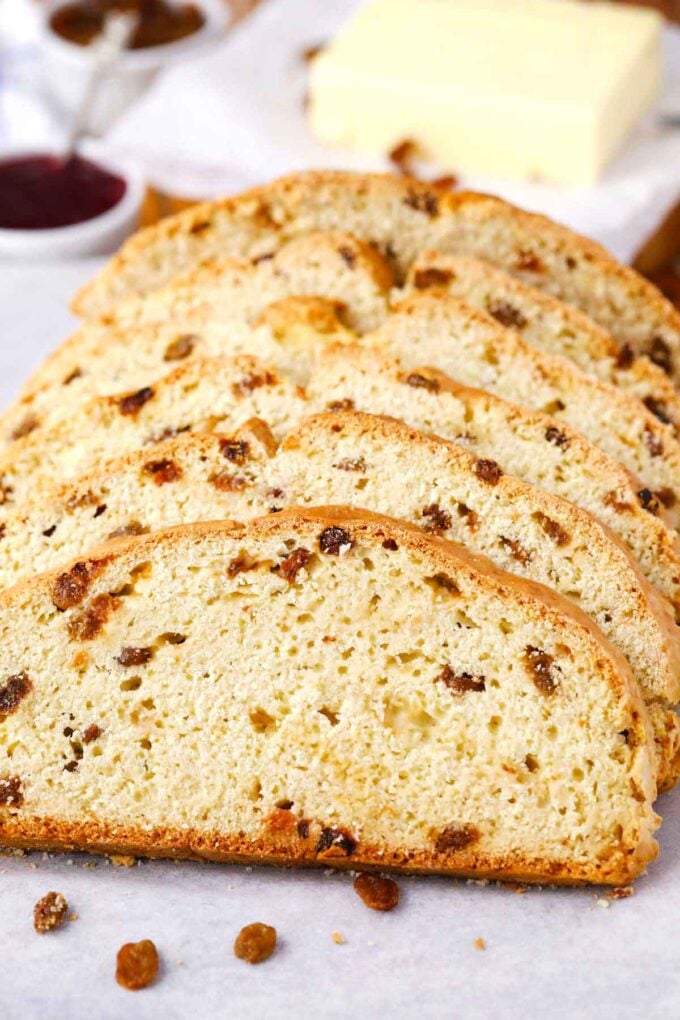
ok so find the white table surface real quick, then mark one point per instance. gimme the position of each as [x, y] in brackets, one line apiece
[552, 954]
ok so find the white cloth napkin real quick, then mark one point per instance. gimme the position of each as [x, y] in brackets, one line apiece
[236, 118]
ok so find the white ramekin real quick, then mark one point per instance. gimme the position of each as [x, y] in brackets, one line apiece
[98, 236]
[67, 66]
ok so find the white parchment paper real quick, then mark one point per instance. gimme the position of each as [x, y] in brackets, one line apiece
[551, 954]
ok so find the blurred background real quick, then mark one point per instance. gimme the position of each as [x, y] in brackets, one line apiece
[211, 96]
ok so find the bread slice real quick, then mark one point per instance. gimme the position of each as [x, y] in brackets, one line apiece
[242, 693]
[547, 323]
[470, 346]
[210, 311]
[401, 217]
[382, 465]
[528, 444]
[201, 396]
[92, 364]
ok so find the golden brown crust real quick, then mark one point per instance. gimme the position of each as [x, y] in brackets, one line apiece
[97, 838]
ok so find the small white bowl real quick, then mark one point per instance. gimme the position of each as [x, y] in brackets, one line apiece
[67, 65]
[100, 235]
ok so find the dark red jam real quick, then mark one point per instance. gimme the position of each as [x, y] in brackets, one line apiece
[41, 192]
[160, 22]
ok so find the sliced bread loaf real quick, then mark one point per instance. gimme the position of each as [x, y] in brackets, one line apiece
[528, 444]
[382, 465]
[470, 346]
[401, 217]
[549, 324]
[201, 396]
[242, 693]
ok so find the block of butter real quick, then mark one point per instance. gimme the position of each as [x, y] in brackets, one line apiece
[536, 89]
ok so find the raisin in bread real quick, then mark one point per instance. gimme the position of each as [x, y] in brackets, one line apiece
[400, 217]
[545, 322]
[103, 365]
[470, 346]
[240, 692]
[528, 444]
[382, 465]
[201, 396]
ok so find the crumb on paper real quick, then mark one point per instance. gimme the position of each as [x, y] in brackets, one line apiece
[620, 893]
[480, 943]
[339, 939]
[50, 912]
[73, 917]
[89, 864]
[603, 903]
[123, 860]
[517, 888]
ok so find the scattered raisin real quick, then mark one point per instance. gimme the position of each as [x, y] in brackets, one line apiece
[377, 893]
[422, 382]
[255, 943]
[137, 965]
[390, 545]
[431, 277]
[653, 443]
[658, 408]
[625, 357]
[402, 155]
[659, 352]
[87, 624]
[180, 348]
[293, 563]
[457, 837]
[460, 683]
[25, 426]
[335, 843]
[667, 497]
[445, 183]
[351, 464]
[553, 530]
[303, 828]
[48, 532]
[540, 667]
[12, 693]
[11, 791]
[507, 314]
[133, 402]
[648, 501]
[438, 520]
[72, 376]
[443, 582]
[253, 381]
[341, 405]
[235, 450]
[131, 528]
[49, 912]
[515, 549]
[93, 732]
[528, 261]
[488, 471]
[423, 201]
[70, 588]
[135, 656]
[163, 471]
[101, 509]
[226, 482]
[335, 541]
[71, 766]
[348, 256]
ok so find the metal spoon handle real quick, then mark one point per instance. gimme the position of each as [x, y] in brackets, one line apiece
[118, 29]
